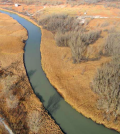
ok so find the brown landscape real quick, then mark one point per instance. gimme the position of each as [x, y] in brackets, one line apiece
[19, 107]
[72, 81]
[76, 77]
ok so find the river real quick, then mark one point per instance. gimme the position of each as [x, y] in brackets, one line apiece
[70, 121]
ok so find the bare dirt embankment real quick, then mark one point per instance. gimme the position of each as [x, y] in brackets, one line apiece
[19, 106]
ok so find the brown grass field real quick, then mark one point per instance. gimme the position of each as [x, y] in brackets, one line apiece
[72, 81]
[19, 107]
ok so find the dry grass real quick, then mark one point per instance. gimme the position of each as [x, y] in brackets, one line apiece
[79, 76]
[3, 129]
[104, 24]
[66, 9]
[72, 80]
[17, 99]
[70, 33]
[34, 121]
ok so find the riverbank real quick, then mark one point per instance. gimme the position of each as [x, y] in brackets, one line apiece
[22, 110]
[65, 78]
[72, 81]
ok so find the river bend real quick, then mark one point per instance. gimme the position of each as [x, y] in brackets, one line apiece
[66, 117]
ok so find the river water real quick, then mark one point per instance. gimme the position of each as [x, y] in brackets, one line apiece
[70, 121]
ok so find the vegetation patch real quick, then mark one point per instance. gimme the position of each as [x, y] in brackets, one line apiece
[70, 33]
[106, 82]
[112, 46]
[59, 22]
[107, 85]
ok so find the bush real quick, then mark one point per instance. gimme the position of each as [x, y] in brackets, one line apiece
[105, 24]
[70, 33]
[106, 84]
[59, 22]
[78, 42]
[87, 21]
[80, 2]
[62, 40]
[90, 37]
[77, 48]
[114, 5]
[49, 2]
[92, 1]
[112, 46]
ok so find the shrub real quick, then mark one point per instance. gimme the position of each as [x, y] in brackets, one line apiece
[90, 37]
[92, 1]
[77, 48]
[62, 40]
[87, 21]
[59, 22]
[69, 33]
[114, 5]
[49, 2]
[105, 24]
[78, 2]
[106, 84]
[77, 41]
[112, 46]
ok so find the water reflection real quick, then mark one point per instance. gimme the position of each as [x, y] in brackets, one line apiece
[31, 72]
[53, 103]
[40, 97]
